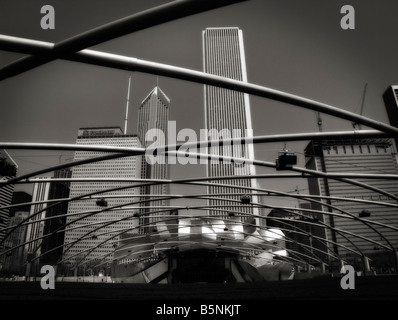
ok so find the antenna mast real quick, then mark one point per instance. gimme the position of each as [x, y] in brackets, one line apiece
[127, 105]
[362, 104]
[319, 121]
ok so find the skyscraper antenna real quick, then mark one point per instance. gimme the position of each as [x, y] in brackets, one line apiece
[354, 124]
[127, 105]
[319, 121]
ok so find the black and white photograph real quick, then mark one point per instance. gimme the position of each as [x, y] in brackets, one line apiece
[199, 158]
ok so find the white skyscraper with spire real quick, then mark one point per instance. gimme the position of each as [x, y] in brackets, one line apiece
[153, 117]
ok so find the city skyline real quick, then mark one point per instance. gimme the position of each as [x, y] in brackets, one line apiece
[333, 215]
[288, 47]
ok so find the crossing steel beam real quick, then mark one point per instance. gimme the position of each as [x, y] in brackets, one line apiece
[133, 64]
[132, 23]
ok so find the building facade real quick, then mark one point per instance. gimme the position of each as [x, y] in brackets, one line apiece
[92, 229]
[153, 117]
[305, 239]
[8, 170]
[346, 232]
[227, 115]
[51, 246]
[35, 228]
[390, 97]
[15, 260]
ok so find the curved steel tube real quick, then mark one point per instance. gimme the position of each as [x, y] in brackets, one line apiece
[135, 22]
[133, 64]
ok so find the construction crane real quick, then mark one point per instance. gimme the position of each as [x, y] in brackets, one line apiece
[354, 124]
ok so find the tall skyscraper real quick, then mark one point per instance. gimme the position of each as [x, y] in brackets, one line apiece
[153, 117]
[51, 246]
[35, 228]
[15, 260]
[20, 197]
[357, 156]
[228, 111]
[390, 97]
[304, 238]
[83, 244]
[8, 170]
[38, 248]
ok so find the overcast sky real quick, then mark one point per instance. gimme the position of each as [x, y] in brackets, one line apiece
[294, 46]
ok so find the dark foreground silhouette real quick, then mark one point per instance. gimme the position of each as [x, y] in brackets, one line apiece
[324, 288]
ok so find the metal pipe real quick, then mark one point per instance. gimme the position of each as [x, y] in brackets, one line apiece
[65, 165]
[363, 134]
[172, 218]
[133, 237]
[272, 165]
[216, 157]
[285, 209]
[191, 181]
[334, 175]
[132, 23]
[207, 217]
[133, 64]
[265, 192]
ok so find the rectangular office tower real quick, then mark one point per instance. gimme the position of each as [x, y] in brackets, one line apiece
[94, 224]
[227, 115]
[366, 225]
[390, 98]
[8, 170]
[14, 260]
[35, 228]
[41, 247]
[153, 117]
